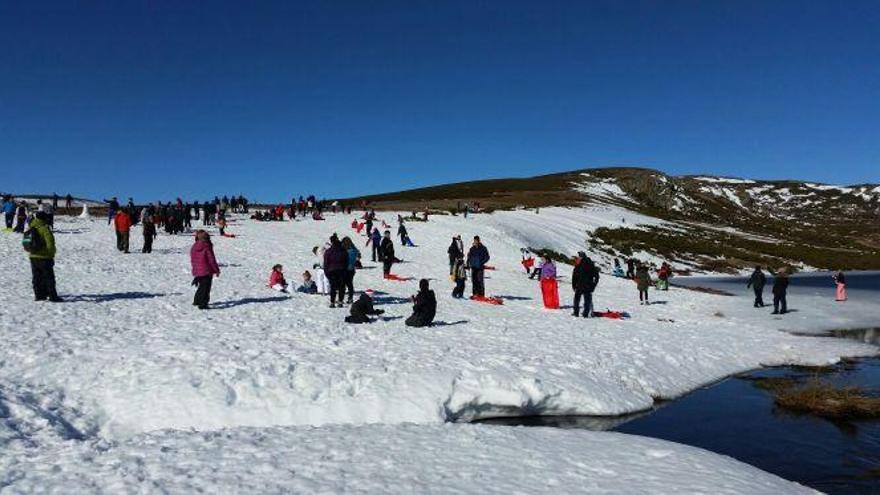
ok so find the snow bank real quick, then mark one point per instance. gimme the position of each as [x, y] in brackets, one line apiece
[131, 355]
[382, 459]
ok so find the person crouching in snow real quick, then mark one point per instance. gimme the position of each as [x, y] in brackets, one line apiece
[308, 286]
[459, 274]
[643, 281]
[549, 286]
[204, 268]
[840, 280]
[424, 307]
[362, 309]
[276, 279]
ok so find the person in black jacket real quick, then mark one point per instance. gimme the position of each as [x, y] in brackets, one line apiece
[424, 307]
[387, 253]
[477, 258]
[362, 309]
[780, 289]
[455, 251]
[584, 279]
[757, 282]
[335, 266]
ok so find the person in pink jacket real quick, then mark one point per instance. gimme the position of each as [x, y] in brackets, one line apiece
[204, 268]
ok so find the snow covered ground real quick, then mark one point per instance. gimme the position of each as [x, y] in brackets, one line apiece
[127, 358]
[382, 459]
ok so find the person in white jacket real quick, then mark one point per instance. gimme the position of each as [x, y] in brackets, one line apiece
[318, 276]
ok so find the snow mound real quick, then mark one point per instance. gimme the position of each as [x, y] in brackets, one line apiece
[401, 459]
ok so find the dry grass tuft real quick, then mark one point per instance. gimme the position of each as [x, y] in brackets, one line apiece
[821, 398]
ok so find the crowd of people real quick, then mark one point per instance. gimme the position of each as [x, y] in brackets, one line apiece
[339, 259]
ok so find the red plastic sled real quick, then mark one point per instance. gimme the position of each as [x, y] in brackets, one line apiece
[550, 292]
[231, 236]
[398, 278]
[614, 315]
[488, 300]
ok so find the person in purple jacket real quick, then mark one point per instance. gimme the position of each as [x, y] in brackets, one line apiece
[204, 268]
[335, 266]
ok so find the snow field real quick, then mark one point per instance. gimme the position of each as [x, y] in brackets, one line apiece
[130, 355]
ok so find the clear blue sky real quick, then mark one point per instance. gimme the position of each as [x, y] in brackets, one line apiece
[156, 99]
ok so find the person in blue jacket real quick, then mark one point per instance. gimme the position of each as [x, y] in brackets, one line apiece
[477, 258]
[376, 241]
[8, 211]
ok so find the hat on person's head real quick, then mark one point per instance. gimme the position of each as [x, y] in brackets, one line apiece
[423, 284]
[582, 254]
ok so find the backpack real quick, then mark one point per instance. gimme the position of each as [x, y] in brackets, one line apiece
[32, 241]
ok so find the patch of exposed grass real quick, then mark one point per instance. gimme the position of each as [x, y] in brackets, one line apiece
[821, 398]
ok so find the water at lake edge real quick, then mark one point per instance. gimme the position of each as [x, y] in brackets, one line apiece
[735, 417]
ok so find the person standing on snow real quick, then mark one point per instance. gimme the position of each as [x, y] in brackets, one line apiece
[354, 257]
[630, 268]
[122, 223]
[477, 258]
[376, 242]
[584, 279]
[455, 251]
[112, 208]
[840, 281]
[780, 291]
[335, 263]
[403, 234]
[643, 281]
[386, 253]
[40, 244]
[549, 286]
[149, 230]
[204, 268]
[8, 211]
[459, 275]
[756, 283]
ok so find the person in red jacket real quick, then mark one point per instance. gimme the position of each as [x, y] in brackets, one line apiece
[122, 223]
[204, 268]
[276, 279]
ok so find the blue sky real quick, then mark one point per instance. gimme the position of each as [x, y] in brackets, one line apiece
[159, 99]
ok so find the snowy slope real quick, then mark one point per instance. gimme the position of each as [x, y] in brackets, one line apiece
[132, 355]
[401, 459]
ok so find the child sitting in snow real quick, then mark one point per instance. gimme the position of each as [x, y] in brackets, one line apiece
[276, 279]
[362, 309]
[308, 286]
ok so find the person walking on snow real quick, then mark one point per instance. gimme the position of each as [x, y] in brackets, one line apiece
[477, 258]
[549, 286]
[204, 268]
[335, 263]
[386, 252]
[756, 283]
[455, 251]
[122, 223]
[403, 234]
[643, 281]
[780, 291]
[112, 208]
[840, 280]
[39, 242]
[8, 211]
[424, 307]
[630, 268]
[584, 279]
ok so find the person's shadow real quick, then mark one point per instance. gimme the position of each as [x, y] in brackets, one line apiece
[115, 296]
[247, 300]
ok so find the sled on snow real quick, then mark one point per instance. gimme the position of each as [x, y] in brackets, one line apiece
[488, 300]
[397, 278]
[614, 315]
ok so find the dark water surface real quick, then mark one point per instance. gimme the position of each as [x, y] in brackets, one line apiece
[735, 417]
[859, 285]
